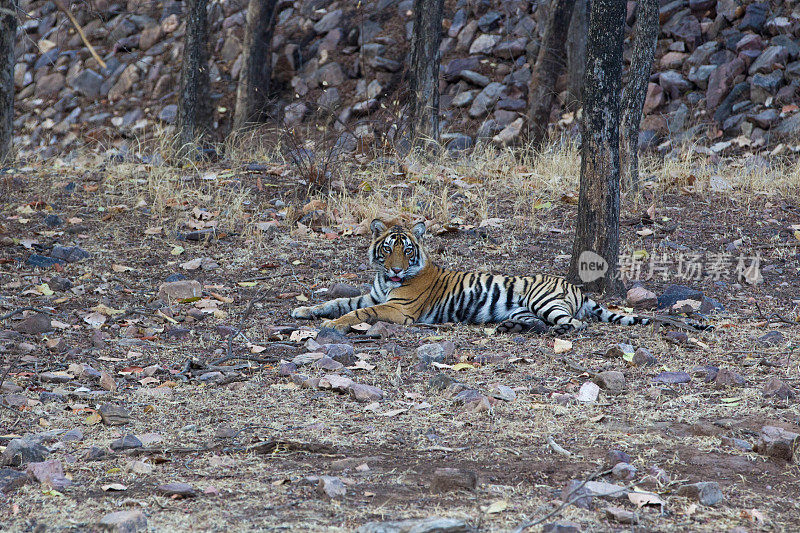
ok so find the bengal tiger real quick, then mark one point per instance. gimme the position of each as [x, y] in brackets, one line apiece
[410, 288]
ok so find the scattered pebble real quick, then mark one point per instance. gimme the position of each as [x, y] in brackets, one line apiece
[706, 492]
[450, 479]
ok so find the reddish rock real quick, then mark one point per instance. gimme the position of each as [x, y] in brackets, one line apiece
[721, 81]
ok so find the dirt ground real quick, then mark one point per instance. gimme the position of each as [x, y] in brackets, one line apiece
[252, 443]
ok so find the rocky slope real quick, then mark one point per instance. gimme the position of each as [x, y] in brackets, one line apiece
[726, 73]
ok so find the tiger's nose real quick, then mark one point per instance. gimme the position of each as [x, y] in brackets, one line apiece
[396, 270]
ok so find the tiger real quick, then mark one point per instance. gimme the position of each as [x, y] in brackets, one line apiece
[410, 288]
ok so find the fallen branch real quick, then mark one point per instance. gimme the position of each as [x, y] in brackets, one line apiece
[559, 449]
[774, 317]
[22, 310]
[78, 28]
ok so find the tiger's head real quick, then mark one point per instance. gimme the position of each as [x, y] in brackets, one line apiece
[397, 252]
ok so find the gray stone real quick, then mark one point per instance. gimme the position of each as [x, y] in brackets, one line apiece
[721, 81]
[383, 64]
[510, 134]
[34, 324]
[114, 415]
[24, 450]
[181, 490]
[126, 442]
[674, 293]
[685, 27]
[511, 49]
[330, 74]
[293, 113]
[789, 126]
[463, 99]
[777, 388]
[755, 16]
[700, 75]
[490, 21]
[762, 86]
[775, 54]
[365, 393]
[673, 83]
[435, 352]
[778, 442]
[11, 479]
[329, 21]
[123, 522]
[611, 380]
[702, 53]
[88, 83]
[474, 78]
[486, 99]
[168, 114]
[453, 69]
[330, 98]
[180, 290]
[672, 378]
[706, 492]
[765, 119]
[483, 44]
[420, 525]
[331, 486]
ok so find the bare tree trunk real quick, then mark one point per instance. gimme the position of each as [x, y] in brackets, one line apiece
[576, 53]
[635, 92]
[194, 107]
[424, 71]
[597, 228]
[8, 33]
[253, 90]
[549, 65]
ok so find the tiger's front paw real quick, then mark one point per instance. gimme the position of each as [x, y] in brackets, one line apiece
[338, 326]
[306, 313]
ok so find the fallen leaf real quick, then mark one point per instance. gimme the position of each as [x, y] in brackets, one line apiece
[45, 289]
[121, 268]
[641, 499]
[113, 487]
[95, 319]
[463, 366]
[562, 346]
[497, 507]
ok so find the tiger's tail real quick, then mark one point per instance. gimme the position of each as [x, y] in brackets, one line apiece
[600, 313]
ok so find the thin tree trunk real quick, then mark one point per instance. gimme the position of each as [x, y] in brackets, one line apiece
[194, 107]
[8, 33]
[597, 228]
[635, 92]
[424, 71]
[549, 65]
[252, 92]
[576, 53]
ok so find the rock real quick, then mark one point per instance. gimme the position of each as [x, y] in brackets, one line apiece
[777, 388]
[331, 486]
[88, 83]
[11, 479]
[623, 516]
[502, 392]
[728, 378]
[330, 74]
[34, 324]
[578, 495]
[672, 378]
[763, 86]
[42, 261]
[640, 298]
[562, 526]
[588, 392]
[765, 118]
[490, 21]
[511, 49]
[601, 489]
[420, 525]
[70, 254]
[510, 134]
[614, 457]
[435, 352]
[49, 85]
[706, 492]
[383, 64]
[73, 435]
[24, 450]
[335, 382]
[343, 353]
[459, 21]
[307, 358]
[702, 53]
[721, 81]
[168, 114]
[114, 415]
[755, 16]
[766, 62]
[181, 490]
[674, 293]
[654, 98]
[778, 442]
[700, 75]
[486, 99]
[124, 83]
[611, 380]
[149, 36]
[474, 78]
[294, 113]
[463, 99]
[365, 393]
[673, 83]
[126, 442]
[459, 143]
[643, 357]
[329, 21]
[453, 69]
[483, 44]
[330, 98]
[343, 290]
[789, 126]
[180, 290]
[49, 473]
[684, 26]
[450, 479]
[123, 522]
[623, 471]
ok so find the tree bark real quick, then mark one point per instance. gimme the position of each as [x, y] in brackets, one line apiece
[576, 53]
[635, 92]
[194, 107]
[8, 33]
[549, 65]
[424, 71]
[252, 93]
[597, 228]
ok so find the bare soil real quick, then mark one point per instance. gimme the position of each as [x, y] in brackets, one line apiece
[416, 428]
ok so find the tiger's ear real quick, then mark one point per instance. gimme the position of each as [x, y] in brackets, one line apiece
[419, 229]
[377, 227]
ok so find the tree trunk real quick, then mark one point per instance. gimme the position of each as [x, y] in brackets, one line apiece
[635, 92]
[194, 107]
[549, 65]
[252, 92]
[576, 53]
[8, 33]
[424, 71]
[597, 228]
